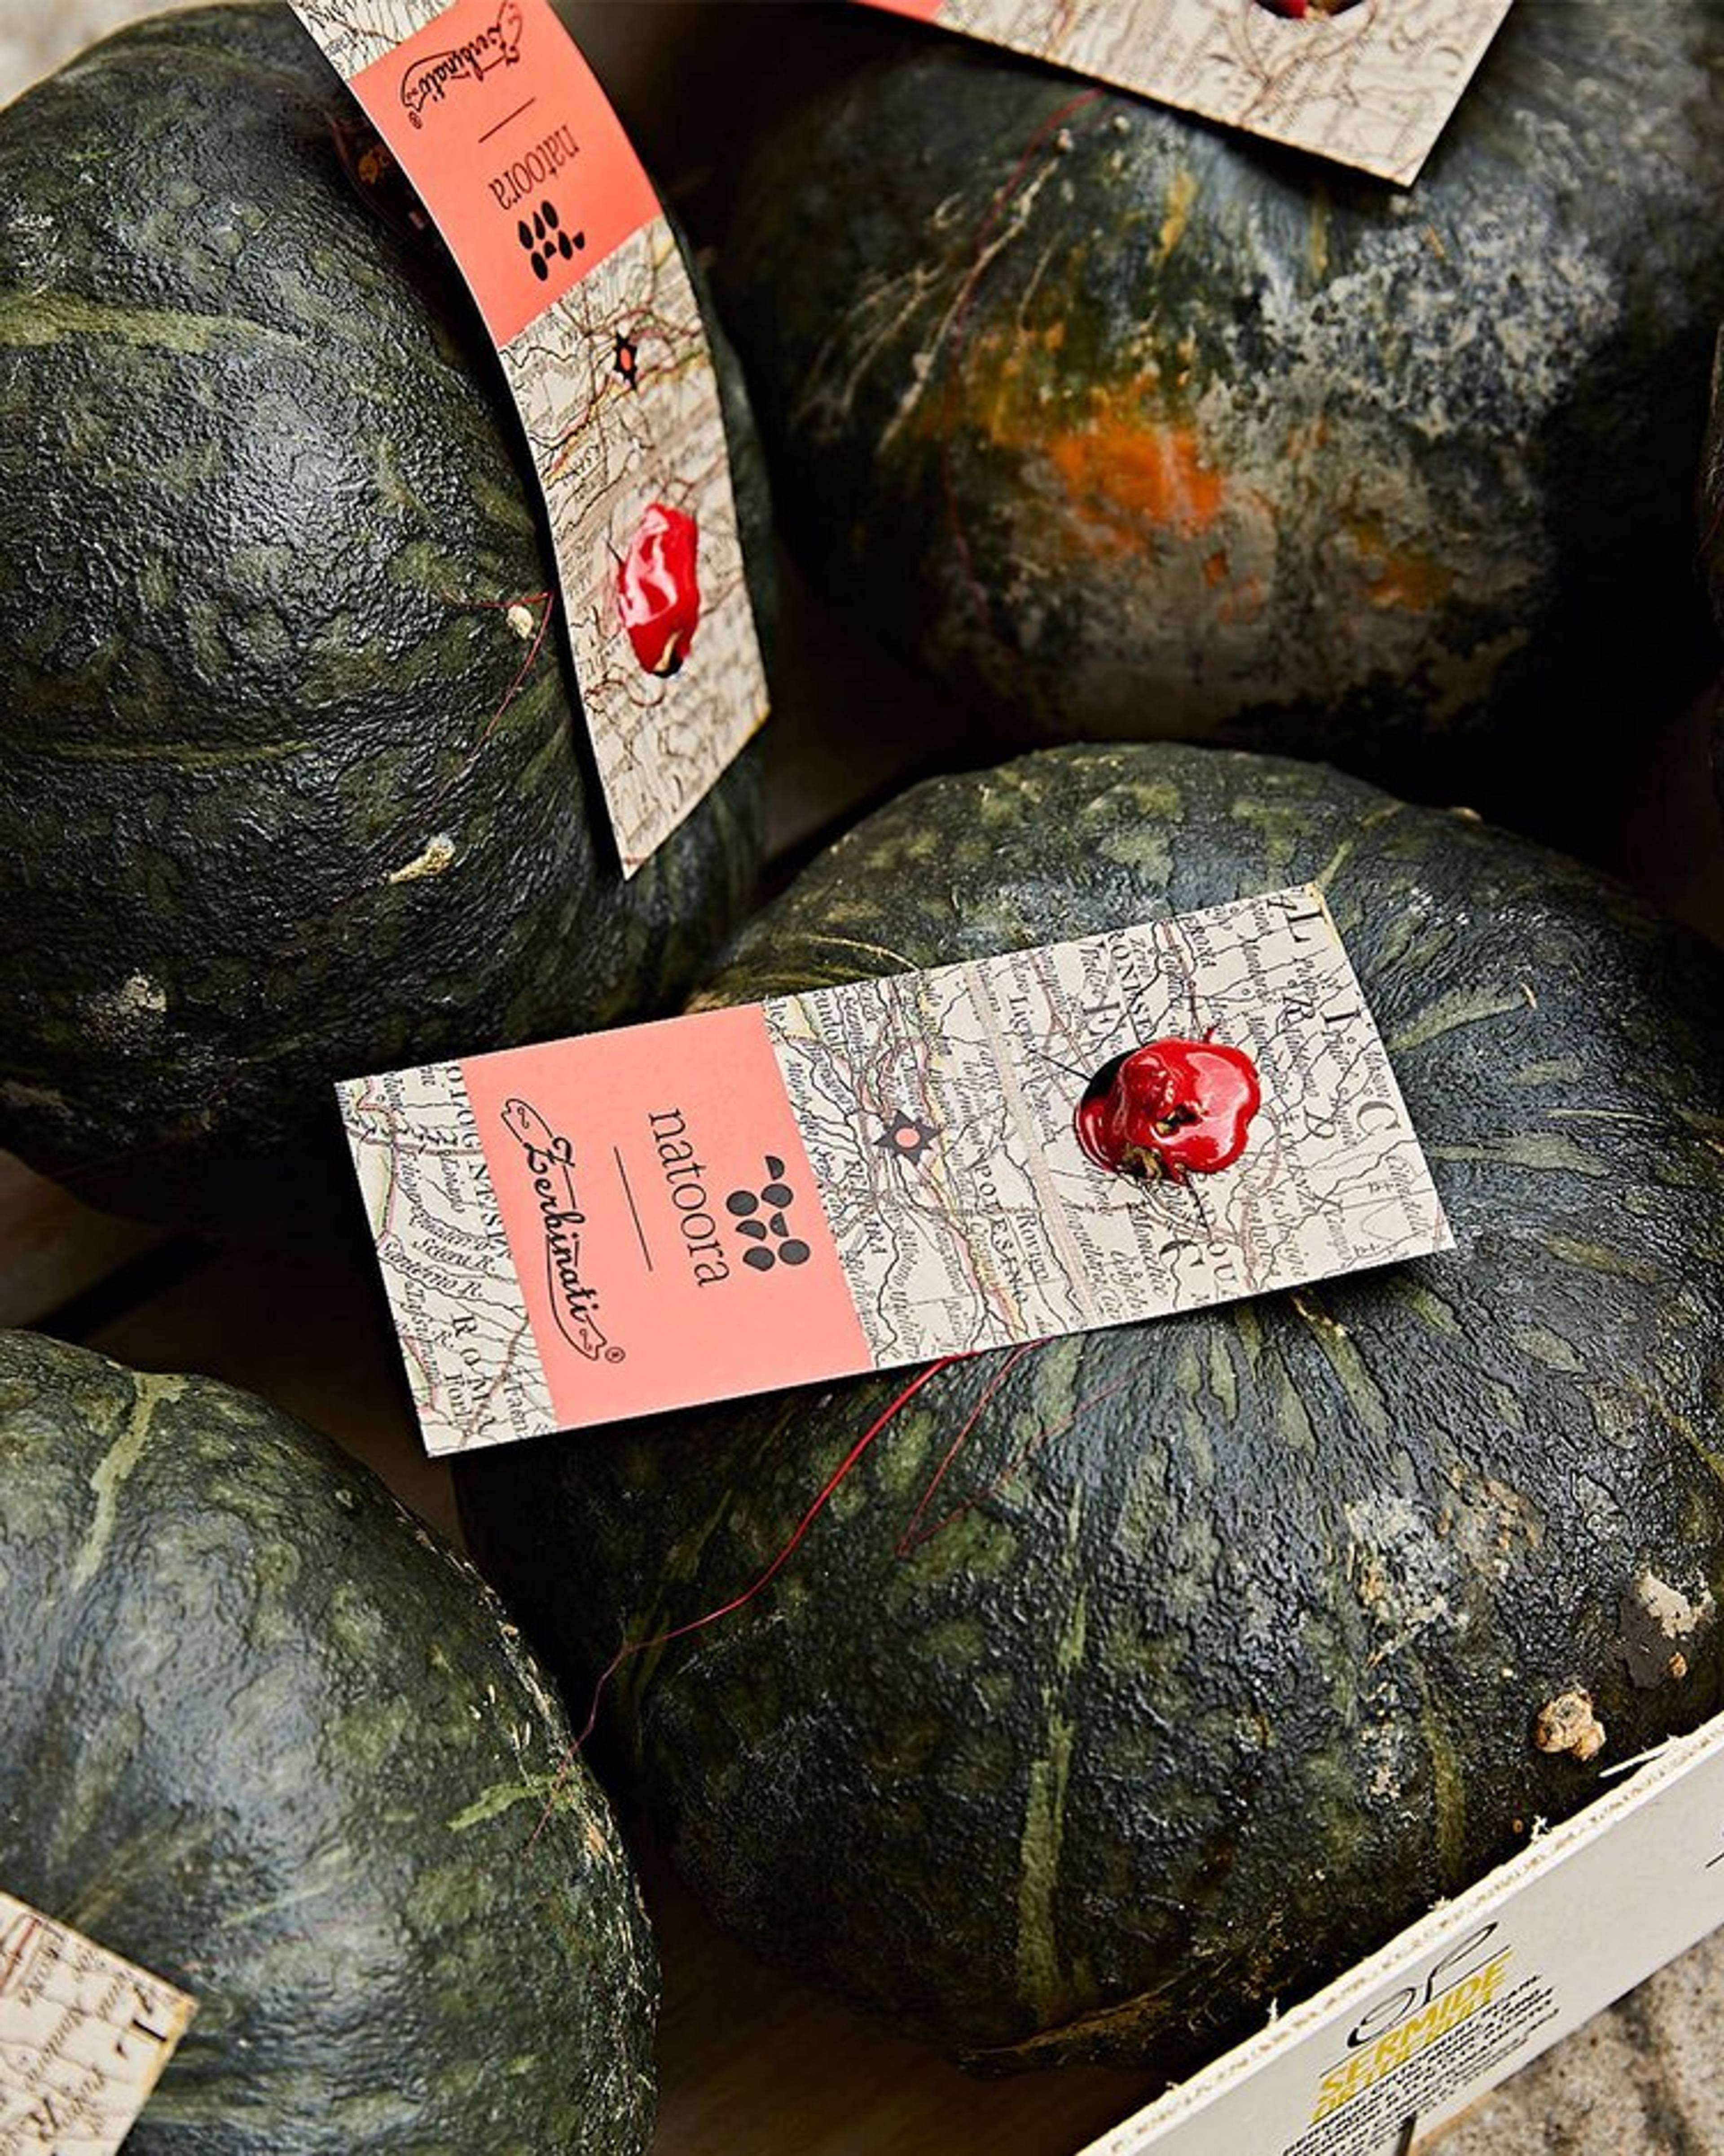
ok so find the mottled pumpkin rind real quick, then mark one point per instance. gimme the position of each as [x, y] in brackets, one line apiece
[1133, 426]
[281, 806]
[263, 1734]
[1238, 1671]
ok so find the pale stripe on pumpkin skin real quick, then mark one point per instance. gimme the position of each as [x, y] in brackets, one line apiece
[1462, 1007]
[28, 321]
[1447, 1787]
[1039, 1970]
[160, 1847]
[110, 1475]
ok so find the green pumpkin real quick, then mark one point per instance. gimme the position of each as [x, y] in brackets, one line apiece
[280, 804]
[1130, 426]
[260, 1733]
[1233, 1656]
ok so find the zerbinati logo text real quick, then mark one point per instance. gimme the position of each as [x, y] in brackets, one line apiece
[549, 1160]
[433, 75]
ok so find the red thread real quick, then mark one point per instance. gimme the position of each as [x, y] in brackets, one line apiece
[630, 1648]
[914, 1535]
[912, 1538]
[912, 1541]
[547, 600]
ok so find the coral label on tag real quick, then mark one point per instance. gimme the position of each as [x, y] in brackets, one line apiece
[1368, 82]
[532, 197]
[490, 111]
[83, 2037]
[664, 1225]
[887, 1173]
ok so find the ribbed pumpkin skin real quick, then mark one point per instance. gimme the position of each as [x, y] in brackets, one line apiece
[1133, 427]
[1237, 1669]
[260, 1732]
[261, 514]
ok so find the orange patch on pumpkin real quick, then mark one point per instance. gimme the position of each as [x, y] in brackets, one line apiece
[1130, 473]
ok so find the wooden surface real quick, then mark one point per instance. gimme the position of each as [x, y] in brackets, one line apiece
[51, 1250]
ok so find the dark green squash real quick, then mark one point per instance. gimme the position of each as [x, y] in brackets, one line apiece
[1238, 1667]
[275, 812]
[1134, 427]
[262, 1734]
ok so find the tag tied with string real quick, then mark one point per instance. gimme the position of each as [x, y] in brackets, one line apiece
[887, 1173]
[487, 113]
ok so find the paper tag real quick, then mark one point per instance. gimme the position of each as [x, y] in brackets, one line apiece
[1369, 83]
[1412, 2037]
[870, 1175]
[83, 2037]
[494, 117]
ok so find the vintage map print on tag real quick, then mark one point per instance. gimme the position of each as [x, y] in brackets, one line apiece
[83, 2037]
[490, 111]
[872, 1175]
[1369, 83]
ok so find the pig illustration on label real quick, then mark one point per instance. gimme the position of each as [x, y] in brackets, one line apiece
[431, 78]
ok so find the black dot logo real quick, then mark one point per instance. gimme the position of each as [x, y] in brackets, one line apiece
[762, 1217]
[545, 239]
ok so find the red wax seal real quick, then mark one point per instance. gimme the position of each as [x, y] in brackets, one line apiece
[657, 595]
[1170, 1109]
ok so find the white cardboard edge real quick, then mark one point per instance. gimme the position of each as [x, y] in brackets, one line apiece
[1588, 1910]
